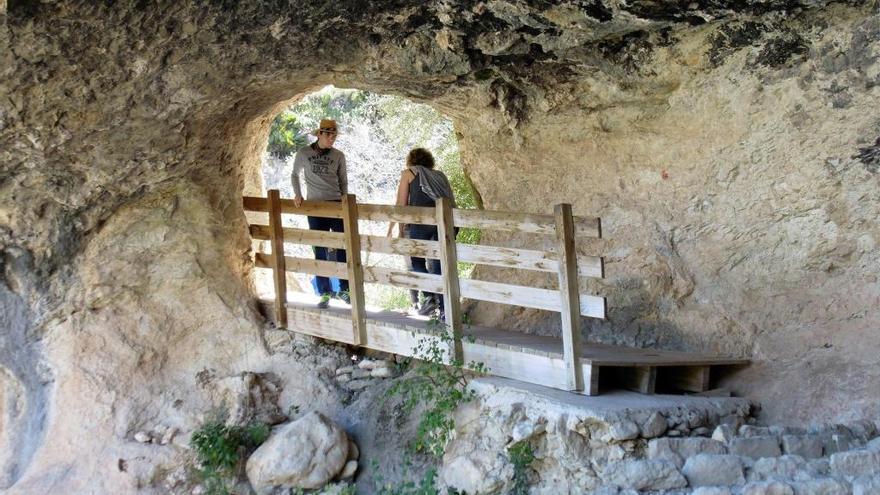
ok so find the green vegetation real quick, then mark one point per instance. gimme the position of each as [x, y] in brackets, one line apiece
[438, 386]
[521, 455]
[220, 448]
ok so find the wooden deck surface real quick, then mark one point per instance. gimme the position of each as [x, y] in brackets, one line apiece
[531, 358]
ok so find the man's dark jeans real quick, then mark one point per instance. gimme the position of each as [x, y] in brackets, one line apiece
[322, 253]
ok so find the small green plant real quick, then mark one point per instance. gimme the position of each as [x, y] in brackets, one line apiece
[521, 455]
[220, 447]
[441, 384]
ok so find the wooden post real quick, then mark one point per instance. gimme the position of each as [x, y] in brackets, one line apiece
[449, 266]
[355, 268]
[276, 238]
[568, 290]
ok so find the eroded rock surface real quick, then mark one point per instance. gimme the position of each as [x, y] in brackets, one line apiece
[729, 147]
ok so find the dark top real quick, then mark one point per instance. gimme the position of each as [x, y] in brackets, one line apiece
[416, 196]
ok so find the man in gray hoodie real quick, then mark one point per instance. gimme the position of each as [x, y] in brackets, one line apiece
[323, 168]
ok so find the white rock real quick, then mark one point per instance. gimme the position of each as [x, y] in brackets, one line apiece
[756, 447]
[343, 378]
[654, 426]
[306, 453]
[344, 370]
[808, 446]
[874, 445]
[679, 449]
[787, 467]
[168, 437]
[856, 463]
[713, 470]
[866, 485]
[525, 430]
[381, 373]
[353, 451]
[349, 470]
[371, 364]
[644, 475]
[360, 373]
[723, 433]
[820, 486]
[143, 437]
[712, 490]
[767, 488]
[622, 430]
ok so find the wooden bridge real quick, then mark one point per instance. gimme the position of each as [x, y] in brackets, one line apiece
[565, 363]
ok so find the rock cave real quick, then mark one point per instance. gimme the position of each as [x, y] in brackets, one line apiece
[731, 149]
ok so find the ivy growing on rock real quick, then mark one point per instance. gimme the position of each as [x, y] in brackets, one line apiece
[220, 448]
[440, 384]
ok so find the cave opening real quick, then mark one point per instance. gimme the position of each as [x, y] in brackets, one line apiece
[376, 132]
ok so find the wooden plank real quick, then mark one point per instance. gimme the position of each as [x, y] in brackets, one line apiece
[355, 268]
[642, 379]
[401, 246]
[523, 222]
[690, 378]
[335, 240]
[525, 259]
[449, 267]
[252, 203]
[590, 377]
[402, 214]
[279, 272]
[313, 267]
[569, 297]
[321, 323]
[403, 279]
[529, 297]
[328, 209]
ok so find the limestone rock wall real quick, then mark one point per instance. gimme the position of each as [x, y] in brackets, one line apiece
[731, 149]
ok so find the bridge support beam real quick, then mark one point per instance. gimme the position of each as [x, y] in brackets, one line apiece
[568, 291]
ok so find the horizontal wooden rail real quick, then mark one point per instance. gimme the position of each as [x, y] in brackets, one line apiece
[522, 222]
[305, 265]
[517, 295]
[482, 219]
[524, 259]
[403, 279]
[328, 209]
[404, 214]
[529, 297]
[321, 238]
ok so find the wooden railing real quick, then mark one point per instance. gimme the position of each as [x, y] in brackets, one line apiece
[564, 261]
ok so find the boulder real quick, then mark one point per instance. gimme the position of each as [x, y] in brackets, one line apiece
[806, 446]
[644, 475]
[713, 470]
[820, 486]
[306, 453]
[756, 447]
[856, 463]
[654, 426]
[679, 449]
[767, 488]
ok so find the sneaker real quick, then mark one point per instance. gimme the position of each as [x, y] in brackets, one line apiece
[325, 301]
[428, 307]
[344, 297]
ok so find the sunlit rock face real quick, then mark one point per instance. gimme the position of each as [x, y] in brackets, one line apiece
[732, 150]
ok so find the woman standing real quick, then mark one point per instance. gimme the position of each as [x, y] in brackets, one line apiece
[421, 185]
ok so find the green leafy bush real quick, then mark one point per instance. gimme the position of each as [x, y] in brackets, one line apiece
[287, 135]
[220, 447]
[521, 455]
[441, 387]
